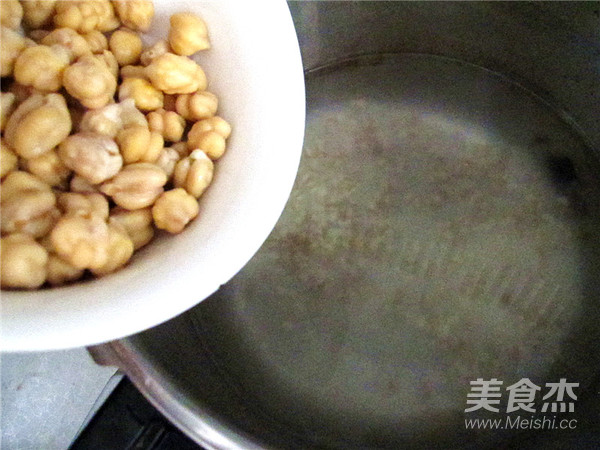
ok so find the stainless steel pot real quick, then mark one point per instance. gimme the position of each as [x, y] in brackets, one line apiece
[443, 228]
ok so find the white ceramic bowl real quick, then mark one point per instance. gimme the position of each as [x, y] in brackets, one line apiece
[255, 68]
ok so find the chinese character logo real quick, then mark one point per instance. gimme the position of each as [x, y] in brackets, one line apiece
[521, 395]
[485, 393]
[559, 390]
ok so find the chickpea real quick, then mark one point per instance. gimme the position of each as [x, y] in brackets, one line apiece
[137, 186]
[126, 46]
[205, 136]
[194, 173]
[8, 160]
[181, 148]
[81, 185]
[11, 45]
[137, 223]
[42, 67]
[139, 144]
[8, 104]
[135, 14]
[174, 209]
[22, 181]
[40, 226]
[188, 34]
[133, 72]
[83, 204]
[92, 156]
[96, 41]
[159, 48]
[120, 250]
[110, 61]
[11, 14]
[197, 106]
[212, 143]
[214, 123]
[60, 271]
[168, 123]
[23, 262]
[167, 159]
[38, 13]
[28, 205]
[85, 15]
[70, 39]
[90, 81]
[81, 241]
[146, 96]
[49, 168]
[38, 125]
[112, 118]
[174, 74]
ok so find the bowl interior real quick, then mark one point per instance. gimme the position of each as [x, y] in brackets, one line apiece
[264, 103]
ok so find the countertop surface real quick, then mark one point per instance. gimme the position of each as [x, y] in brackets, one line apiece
[47, 397]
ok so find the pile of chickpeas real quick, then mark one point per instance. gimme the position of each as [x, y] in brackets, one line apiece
[104, 142]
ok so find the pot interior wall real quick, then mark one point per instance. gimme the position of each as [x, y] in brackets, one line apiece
[551, 47]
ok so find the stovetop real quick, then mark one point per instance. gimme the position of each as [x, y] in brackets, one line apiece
[63, 400]
[127, 420]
